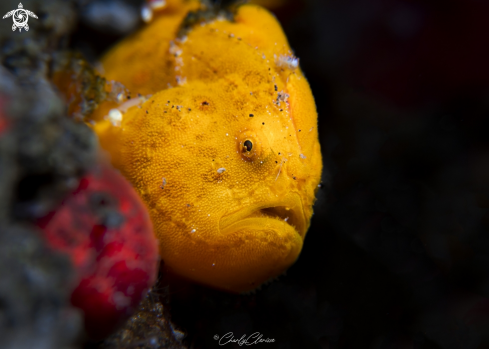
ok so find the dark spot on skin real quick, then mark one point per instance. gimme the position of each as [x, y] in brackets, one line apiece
[251, 115]
[293, 177]
[276, 162]
[281, 110]
[276, 88]
[205, 103]
[168, 101]
[263, 123]
[173, 106]
[248, 145]
[299, 130]
[147, 112]
[278, 153]
[189, 109]
[128, 97]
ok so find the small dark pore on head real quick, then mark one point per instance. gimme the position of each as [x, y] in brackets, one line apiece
[205, 103]
[251, 115]
[248, 145]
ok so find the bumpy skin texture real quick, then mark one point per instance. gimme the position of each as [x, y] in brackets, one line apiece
[232, 82]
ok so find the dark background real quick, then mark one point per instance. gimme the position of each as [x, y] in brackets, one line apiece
[397, 255]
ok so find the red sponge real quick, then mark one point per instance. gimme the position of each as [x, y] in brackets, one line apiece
[105, 228]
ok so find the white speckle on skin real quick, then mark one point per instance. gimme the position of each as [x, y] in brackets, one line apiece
[221, 170]
[192, 231]
[279, 169]
[157, 4]
[287, 61]
[281, 97]
[163, 183]
[302, 156]
[286, 219]
[174, 49]
[180, 80]
[115, 117]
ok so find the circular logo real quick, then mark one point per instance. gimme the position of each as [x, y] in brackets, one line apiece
[20, 17]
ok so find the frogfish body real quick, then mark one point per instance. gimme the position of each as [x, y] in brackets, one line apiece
[224, 148]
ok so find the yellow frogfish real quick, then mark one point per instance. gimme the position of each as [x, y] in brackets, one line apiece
[223, 144]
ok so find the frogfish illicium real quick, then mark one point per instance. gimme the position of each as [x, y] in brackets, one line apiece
[222, 144]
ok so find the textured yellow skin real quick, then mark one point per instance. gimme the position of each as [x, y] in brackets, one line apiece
[227, 230]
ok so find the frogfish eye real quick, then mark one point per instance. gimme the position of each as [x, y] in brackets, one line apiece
[247, 145]
[250, 145]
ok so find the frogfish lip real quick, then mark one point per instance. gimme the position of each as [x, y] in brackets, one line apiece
[288, 209]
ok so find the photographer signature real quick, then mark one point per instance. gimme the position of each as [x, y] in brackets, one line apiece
[254, 338]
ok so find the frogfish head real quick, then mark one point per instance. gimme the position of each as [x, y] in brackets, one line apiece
[229, 161]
